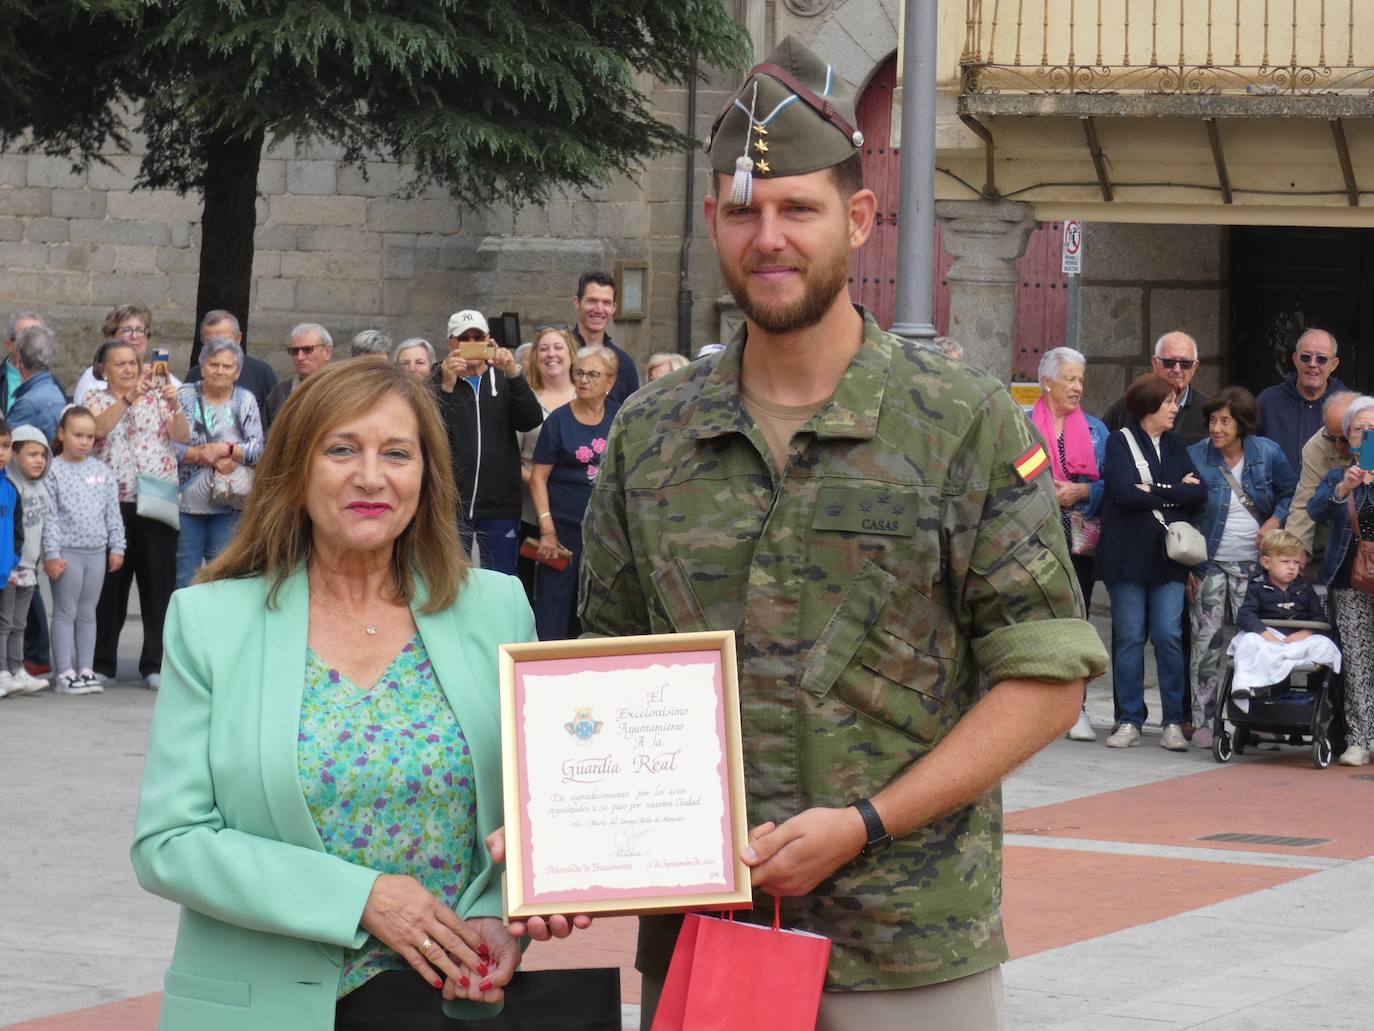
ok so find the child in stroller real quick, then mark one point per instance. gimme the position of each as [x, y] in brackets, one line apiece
[1263, 655]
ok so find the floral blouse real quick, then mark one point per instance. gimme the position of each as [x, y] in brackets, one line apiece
[390, 783]
[139, 442]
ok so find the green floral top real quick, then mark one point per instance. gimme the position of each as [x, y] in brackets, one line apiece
[389, 781]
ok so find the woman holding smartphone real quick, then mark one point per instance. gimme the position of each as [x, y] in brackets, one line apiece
[136, 426]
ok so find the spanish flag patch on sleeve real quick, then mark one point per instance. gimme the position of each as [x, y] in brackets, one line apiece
[1032, 463]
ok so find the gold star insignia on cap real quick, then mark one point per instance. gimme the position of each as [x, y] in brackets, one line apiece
[760, 129]
[761, 146]
[761, 167]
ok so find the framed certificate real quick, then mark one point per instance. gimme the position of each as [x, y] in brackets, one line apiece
[623, 775]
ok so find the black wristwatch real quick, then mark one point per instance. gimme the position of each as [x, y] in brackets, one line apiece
[879, 840]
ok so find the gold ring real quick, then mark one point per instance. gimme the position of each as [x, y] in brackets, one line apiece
[425, 946]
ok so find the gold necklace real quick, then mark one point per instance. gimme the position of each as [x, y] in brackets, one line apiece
[369, 628]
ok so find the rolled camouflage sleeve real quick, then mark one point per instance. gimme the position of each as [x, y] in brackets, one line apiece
[610, 599]
[1020, 597]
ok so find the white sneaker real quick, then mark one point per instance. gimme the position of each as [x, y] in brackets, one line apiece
[1083, 729]
[70, 683]
[1354, 756]
[7, 685]
[92, 681]
[1127, 736]
[28, 683]
[1173, 739]
[152, 681]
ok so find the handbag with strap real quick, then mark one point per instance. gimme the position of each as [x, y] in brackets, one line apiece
[1362, 567]
[228, 490]
[1246, 502]
[157, 499]
[1183, 543]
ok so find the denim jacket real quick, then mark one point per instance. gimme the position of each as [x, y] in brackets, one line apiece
[1267, 479]
[1325, 510]
[1097, 429]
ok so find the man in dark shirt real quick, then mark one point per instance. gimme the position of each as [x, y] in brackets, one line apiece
[1291, 411]
[256, 376]
[595, 304]
[1175, 359]
[310, 347]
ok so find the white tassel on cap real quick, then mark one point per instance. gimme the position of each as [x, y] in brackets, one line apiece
[742, 185]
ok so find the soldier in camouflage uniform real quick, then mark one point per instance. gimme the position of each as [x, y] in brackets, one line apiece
[877, 525]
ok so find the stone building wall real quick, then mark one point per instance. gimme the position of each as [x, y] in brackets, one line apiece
[1139, 282]
[346, 247]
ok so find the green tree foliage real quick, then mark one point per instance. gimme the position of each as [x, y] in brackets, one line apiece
[494, 100]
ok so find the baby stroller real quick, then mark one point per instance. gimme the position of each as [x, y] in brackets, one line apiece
[1297, 710]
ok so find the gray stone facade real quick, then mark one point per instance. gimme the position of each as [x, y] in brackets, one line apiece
[1138, 283]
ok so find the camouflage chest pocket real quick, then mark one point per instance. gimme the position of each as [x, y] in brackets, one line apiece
[889, 653]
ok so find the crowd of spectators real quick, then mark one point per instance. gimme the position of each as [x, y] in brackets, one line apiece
[1238, 471]
[179, 462]
[526, 429]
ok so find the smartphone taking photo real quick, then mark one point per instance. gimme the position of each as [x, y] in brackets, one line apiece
[159, 367]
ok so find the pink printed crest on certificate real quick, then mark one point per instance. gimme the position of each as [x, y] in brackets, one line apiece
[622, 760]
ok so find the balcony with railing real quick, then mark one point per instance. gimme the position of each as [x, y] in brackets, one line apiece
[1243, 58]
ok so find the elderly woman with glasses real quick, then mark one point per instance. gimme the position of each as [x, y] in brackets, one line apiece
[216, 467]
[1077, 446]
[566, 461]
[1345, 502]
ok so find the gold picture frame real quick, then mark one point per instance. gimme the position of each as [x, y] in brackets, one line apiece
[600, 671]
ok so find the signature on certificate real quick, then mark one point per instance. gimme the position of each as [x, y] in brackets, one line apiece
[627, 842]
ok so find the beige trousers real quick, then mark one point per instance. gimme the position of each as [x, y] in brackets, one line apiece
[972, 1003]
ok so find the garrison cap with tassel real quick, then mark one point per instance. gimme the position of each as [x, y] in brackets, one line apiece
[793, 115]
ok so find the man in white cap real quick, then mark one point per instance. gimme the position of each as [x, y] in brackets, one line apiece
[485, 402]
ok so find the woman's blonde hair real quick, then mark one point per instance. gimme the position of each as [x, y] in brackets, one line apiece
[672, 359]
[273, 537]
[534, 375]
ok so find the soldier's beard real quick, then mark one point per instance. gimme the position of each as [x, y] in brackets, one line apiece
[820, 285]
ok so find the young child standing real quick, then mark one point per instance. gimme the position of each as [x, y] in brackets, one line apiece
[83, 523]
[29, 461]
[11, 542]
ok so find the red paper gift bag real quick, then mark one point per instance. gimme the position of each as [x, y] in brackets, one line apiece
[731, 976]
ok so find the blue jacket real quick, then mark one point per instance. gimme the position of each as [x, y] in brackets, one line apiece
[1132, 544]
[1267, 478]
[1265, 603]
[11, 528]
[38, 402]
[1326, 510]
[1289, 419]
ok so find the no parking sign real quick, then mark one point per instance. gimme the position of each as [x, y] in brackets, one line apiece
[1071, 257]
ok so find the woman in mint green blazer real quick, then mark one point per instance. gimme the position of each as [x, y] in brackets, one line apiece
[324, 762]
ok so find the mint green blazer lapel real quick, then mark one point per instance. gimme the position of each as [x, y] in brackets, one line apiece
[285, 630]
[443, 636]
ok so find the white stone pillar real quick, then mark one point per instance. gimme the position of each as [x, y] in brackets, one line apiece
[984, 238]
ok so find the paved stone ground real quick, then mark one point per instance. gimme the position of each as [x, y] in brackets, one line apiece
[1118, 916]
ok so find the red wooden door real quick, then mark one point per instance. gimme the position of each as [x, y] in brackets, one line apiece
[873, 269]
[1041, 291]
[1041, 317]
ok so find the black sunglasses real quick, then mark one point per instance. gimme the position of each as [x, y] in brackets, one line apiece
[1178, 363]
[1307, 358]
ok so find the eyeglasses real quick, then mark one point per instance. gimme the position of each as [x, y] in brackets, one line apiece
[1177, 363]
[133, 331]
[1332, 438]
[586, 374]
[1307, 358]
[306, 349]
